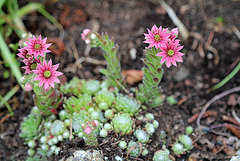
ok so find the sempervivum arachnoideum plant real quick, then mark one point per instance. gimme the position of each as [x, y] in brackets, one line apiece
[74, 86]
[142, 136]
[104, 97]
[78, 119]
[161, 155]
[91, 87]
[73, 104]
[90, 132]
[122, 123]
[186, 141]
[178, 148]
[134, 148]
[127, 104]
[31, 127]
[57, 128]
[47, 101]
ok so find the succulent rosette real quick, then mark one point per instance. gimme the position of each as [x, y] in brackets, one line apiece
[105, 96]
[122, 123]
[127, 104]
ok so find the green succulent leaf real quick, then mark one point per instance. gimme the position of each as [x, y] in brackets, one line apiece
[31, 127]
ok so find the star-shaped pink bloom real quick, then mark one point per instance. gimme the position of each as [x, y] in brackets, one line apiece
[170, 53]
[156, 37]
[27, 57]
[31, 65]
[47, 74]
[37, 46]
[173, 33]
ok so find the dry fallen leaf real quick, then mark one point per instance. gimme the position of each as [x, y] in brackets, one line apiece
[132, 76]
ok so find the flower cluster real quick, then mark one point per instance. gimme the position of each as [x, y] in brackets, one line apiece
[33, 56]
[166, 41]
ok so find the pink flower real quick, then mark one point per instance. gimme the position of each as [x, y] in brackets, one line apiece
[95, 123]
[47, 74]
[31, 65]
[170, 53]
[87, 130]
[85, 35]
[28, 87]
[37, 46]
[27, 57]
[173, 33]
[156, 37]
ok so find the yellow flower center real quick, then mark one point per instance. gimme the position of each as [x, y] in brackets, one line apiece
[47, 74]
[28, 56]
[33, 66]
[170, 52]
[37, 46]
[157, 37]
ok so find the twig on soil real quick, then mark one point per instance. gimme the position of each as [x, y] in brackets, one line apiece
[233, 128]
[230, 119]
[236, 31]
[136, 158]
[197, 146]
[74, 48]
[182, 100]
[103, 143]
[235, 116]
[90, 60]
[220, 133]
[220, 149]
[198, 37]
[4, 118]
[116, 142]
[206, 114]
[219, 96]
[224, 125]
[125, 90]
[182, 29]
[210, 37]
[70, 137]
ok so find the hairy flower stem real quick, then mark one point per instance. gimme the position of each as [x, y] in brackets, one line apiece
[149, 92]
[47, 101]
[113, 70]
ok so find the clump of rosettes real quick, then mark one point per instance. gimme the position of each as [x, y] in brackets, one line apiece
[122, 123]
[142, 136]
[178, 148]
[161, 155]
[78, 119]
[127, 104]
[31, 127]
[90, 132]
[73, 104]
[91, 87]
[134, 149]
[105, 96]
[73, 86]
[186, 141]
[57, 128]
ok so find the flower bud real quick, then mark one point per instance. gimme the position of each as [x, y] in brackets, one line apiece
[87, 130]
[85, 33]
[28, 87]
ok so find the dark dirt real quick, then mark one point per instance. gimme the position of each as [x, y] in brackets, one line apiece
[126, 21]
